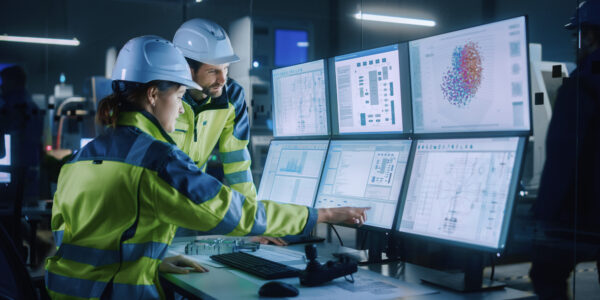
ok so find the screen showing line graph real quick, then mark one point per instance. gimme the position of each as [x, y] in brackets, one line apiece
[363, 173]
[471, 80]
[292, 171]
[462, 190]
[300, 100]
[368, 91]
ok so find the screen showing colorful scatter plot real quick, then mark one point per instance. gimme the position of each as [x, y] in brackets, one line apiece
[361, 173]
[462, 190]
[368, 91]
[472, 80]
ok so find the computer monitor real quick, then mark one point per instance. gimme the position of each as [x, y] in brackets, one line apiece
[292, 171]
[291, 47]
[370, 86]
[5, 160]
[365, 173]
[300, 100]
[472, 80]
[462, 190]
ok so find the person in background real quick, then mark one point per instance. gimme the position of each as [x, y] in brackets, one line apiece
[568, 203]
[120, 198]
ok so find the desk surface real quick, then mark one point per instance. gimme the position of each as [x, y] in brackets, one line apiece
[378, 281]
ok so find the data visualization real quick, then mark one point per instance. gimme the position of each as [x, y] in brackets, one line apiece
[461, 190]
[300, 101]
[292, 171]
[368, 91]
[472, 80]
[5, 161]
[365, 174]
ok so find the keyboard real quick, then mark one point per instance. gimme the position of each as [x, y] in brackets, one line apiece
[256, 266]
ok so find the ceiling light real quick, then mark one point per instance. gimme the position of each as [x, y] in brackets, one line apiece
[35, 40]
[398, 20]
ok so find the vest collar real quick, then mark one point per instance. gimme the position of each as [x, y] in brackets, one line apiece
[146, 122]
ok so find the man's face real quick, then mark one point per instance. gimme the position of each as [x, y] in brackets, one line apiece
[211, 78]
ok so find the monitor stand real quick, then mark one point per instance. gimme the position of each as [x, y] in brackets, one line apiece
[468, 281]
[376, 252]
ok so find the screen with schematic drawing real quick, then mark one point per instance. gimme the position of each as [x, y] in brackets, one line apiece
[471, 80]
[300, 100]
[365, 173]
[292, 171]
[462, 190]
[368, 91]
[5, 161]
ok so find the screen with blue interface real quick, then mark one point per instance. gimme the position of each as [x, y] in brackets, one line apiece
[368, 91]
[365, 174]
[5, 161]
[462, 190]
[292, 171]
[300, 100]
[472, 80]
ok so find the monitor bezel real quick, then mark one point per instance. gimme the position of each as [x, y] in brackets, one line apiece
[405, 99]
[402, 187]
[327, 104]
[488, 133]
[509, 208]
[320, 171]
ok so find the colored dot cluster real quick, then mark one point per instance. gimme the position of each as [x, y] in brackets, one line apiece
[463, 78]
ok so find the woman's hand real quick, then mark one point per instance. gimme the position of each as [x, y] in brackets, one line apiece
[181, 265]
[346, 215]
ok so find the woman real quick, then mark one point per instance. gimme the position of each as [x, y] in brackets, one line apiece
[120, 199]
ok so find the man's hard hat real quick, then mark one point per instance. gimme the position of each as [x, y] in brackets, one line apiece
[588, 13]
[204, 41]
[147, 58]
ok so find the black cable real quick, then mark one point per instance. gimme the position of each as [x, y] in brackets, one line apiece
[493, 268]
[338, 235]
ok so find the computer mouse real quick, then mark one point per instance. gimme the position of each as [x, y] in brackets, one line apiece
[277, 289]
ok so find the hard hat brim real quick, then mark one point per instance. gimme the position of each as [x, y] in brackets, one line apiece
[221, 60]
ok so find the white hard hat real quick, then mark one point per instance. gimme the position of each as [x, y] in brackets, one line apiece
[147, 58]
[204, 41]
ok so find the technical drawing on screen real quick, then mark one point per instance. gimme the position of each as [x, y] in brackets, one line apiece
[368, 91]
[365, 174]
[300, 100]
[292, 171]
[462, 190]
[471, 80]
[6, 160]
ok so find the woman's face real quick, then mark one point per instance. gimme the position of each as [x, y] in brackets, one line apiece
[166, 106]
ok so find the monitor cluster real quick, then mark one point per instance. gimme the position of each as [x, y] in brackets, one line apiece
[429, 133]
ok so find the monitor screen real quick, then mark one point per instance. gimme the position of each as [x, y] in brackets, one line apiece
[472, 80]
[5, 161]
[462, 190]
[365, 173]
[292, 171]
[368, 91]
[300, 100]
[291, 47]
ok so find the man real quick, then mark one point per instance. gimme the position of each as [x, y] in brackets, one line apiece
[568, 202]
[217, 114]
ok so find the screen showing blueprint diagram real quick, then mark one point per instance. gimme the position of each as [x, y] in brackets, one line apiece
[292, 171]
[365, 173]
[368, 91]
[462, 190]
[471, 80]
[6, 160]
[300, 100]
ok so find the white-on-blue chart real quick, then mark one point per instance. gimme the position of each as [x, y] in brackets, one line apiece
[368, 91]
[459, 189]
[365, 174]
[5, 161]
[292, 171]
[471, 80]
[299, 100]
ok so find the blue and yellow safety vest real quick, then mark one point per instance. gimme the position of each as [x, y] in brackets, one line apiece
[120, 199]
[222, 120]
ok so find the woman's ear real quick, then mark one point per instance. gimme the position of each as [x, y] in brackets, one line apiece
[152, 95]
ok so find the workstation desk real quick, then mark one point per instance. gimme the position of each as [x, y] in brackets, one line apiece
[375, 281]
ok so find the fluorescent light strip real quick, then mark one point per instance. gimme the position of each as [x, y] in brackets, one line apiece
[398, 20]
[35, 40]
